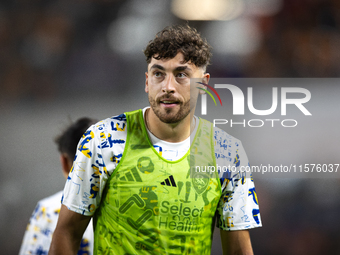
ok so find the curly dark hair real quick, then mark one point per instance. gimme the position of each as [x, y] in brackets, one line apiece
[179, 38]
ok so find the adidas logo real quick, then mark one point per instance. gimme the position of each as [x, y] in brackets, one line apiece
[169, 181]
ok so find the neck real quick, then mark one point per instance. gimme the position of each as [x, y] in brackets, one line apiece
[169, 132]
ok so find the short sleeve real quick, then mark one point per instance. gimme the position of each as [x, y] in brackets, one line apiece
[83, 183]
[98, 153]
[238, 208]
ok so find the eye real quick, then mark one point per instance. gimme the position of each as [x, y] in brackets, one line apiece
[157, 74]
[182, 75]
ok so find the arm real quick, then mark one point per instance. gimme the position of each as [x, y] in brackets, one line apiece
[69, 232]
[236, 242]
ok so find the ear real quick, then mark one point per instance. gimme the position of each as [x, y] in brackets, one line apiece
[146, 82]
[205, 79]
[66, 165]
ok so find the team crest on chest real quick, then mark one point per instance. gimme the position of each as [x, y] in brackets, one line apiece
[200, 181]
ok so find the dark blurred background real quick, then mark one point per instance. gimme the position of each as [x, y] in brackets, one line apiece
[61, 60]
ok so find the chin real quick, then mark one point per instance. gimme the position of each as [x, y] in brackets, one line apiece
[172, 118]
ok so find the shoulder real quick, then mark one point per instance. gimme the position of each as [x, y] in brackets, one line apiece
[48, 206]
[224, 140]
[228, 149]
[108, 131]
[113, 124]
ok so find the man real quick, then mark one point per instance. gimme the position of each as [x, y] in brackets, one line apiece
[134, 172]
[38, 235]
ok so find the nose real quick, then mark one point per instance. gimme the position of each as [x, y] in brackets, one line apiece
[169, 84]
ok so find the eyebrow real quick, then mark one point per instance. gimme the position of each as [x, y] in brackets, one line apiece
[156, 66]
[179, 68]
[182, 68]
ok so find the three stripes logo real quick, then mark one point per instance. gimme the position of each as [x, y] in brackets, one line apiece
[170, 181]
[213, 90]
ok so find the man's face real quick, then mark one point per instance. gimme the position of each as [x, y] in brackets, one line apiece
[168, 86]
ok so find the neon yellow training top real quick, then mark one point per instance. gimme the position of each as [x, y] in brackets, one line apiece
[154, 206]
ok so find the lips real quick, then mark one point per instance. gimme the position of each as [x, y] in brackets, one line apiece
[169, 102]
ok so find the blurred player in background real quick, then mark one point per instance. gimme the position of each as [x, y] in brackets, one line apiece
[39, 231]
[134, 172]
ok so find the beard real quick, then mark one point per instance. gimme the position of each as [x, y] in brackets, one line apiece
[169, 116]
